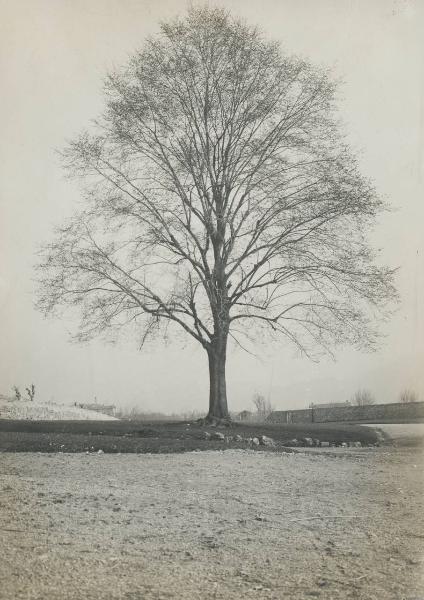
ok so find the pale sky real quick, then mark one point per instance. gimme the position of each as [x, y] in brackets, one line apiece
[54, 54]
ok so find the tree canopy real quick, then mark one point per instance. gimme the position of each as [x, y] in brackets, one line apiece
[220, 194]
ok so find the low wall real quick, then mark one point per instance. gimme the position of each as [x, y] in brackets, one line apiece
[291, 416]
[374, 413]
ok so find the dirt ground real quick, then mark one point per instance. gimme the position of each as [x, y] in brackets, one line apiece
[227, 525]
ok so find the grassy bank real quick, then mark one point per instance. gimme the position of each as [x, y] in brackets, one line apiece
[160, 437]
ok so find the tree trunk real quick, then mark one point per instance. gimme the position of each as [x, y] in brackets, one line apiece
[217, 355]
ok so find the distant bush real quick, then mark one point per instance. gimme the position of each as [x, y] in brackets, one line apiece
[191, 415]
[136, 414]
[17, 393]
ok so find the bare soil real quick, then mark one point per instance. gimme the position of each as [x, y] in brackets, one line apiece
[227, 525]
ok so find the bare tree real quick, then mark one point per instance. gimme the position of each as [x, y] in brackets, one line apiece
[220, 194]
[30, 392]
[363, 398]
[408, 395]
[262, 405]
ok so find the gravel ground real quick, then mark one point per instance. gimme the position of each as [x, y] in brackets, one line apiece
[227, 525]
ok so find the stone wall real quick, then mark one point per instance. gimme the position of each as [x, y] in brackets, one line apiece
[374, 413]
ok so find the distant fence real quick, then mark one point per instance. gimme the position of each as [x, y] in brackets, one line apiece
[374, 413]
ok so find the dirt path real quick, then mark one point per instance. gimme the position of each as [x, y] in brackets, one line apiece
[228, 525]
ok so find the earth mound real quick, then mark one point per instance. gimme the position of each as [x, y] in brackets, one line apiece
[47, 411]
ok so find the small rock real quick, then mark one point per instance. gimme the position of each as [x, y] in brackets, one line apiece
[325, 444]
[307, 441]
[266, 441]
[100, 452]
[255, 441]
[344, 444]
[217, 435]
[243, 573]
